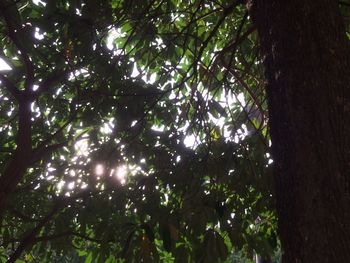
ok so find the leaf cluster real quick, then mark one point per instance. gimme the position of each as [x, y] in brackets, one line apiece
[148, 132]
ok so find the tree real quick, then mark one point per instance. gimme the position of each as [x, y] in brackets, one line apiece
[101, 100]
[307, 58]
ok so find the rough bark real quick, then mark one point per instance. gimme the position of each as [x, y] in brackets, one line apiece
[307, 62]
[16, 168]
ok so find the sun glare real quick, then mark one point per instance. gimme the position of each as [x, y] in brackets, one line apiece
[99, 170]
[121, 173]
[82, 147]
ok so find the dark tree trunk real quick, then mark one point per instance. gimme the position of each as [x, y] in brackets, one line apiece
[17, 167]
[307, 62]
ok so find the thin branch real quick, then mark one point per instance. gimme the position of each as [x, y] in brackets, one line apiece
[55, 236]
[51, 237]
[50, 81]
[227, 12]
[86, 237]
[21, 215]
[30, 238]
[43, 151]
[238, 41]
[64, 234]
[10, 86]
[250, 92]
[233, 47]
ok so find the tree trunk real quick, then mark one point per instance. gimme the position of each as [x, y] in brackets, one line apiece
[307, 65]
[18, 165]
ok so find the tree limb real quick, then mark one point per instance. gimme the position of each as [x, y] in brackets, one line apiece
[42, 151]
[10, 86]
[14, 30]
[47, 84]
[30, 238]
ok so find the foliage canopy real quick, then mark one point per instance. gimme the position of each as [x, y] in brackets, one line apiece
[141, 129]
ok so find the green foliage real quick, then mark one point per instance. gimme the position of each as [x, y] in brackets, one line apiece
[111, 176]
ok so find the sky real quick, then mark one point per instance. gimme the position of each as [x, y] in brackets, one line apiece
[4, 66]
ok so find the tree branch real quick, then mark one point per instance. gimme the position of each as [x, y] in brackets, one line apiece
[14, 30]
[10, 86]
[238, 40]
[21, 215]
[51, 237]
[227, 12]
[30, 238]
[57, 236]
[42, 151]
[47, 84]
[16, 168]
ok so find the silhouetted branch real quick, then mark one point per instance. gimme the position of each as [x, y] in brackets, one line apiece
[14, 30]
[30, 238]
[10, 86]
[51, 80]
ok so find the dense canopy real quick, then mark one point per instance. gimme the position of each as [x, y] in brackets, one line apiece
[133, 131]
